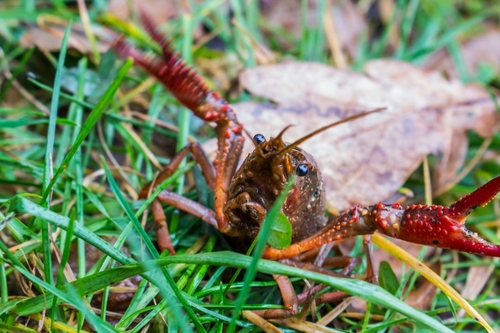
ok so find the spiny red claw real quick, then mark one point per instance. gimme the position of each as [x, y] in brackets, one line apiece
[444, 227]
[188, 87]
[432, 225]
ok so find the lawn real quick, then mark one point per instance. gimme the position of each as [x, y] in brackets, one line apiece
[84, 130]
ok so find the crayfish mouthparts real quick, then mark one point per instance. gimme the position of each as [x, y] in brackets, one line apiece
[432, 225]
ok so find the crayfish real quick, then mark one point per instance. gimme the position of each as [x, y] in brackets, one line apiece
[244, 195]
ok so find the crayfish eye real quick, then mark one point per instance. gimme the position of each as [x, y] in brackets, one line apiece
[302, 170]
[259, 138]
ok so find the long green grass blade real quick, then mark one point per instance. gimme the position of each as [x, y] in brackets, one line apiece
[49, 154]
[259, 248]
[175, 297]
[91, 120]
[75, 300]
[367, 291]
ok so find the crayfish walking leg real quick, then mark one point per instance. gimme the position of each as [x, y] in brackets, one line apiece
[176, 200]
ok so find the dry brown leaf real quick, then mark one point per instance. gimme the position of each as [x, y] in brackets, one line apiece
[448, 167]
[158, 10]
[380, 255]
[49, 34]
[366, 160]
[483, 49]
[422, 296]
[349, 22]
[477, 278]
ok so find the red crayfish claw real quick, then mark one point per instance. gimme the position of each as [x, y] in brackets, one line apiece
[444, 227]
[433, 225]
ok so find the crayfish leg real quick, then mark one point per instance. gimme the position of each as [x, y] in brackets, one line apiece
[177, 201]
[161, 227]
[371, 276]
[290, 303]
[291, 300]
[191, 91]
[355, 221]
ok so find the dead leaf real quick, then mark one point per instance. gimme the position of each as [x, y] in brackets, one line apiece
[477, 278]
[49, 32]
[159, 10]
[366, 160]
[422, 296]
[449, 166]
[348, 20]
[481, 50]
[380, 255]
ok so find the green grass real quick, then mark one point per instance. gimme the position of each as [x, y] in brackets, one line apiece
[72, 165]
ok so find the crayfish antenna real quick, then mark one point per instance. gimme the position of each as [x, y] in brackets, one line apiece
[322, 129]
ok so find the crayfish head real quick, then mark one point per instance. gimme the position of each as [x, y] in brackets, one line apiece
[263, 176]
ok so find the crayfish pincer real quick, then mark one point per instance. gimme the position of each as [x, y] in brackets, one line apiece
[244, 195]
[433, 225]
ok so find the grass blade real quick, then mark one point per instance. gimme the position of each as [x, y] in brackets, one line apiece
[259, 248]
[429, 274]
[90, 122]
[176, 298]
[49, 153]
[367, 291]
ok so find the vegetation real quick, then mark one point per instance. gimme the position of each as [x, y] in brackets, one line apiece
[82, 131]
